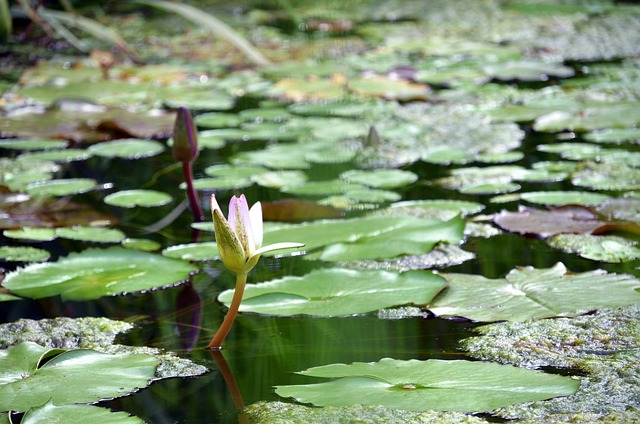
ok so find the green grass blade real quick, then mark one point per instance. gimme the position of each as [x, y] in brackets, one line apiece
[212, 23]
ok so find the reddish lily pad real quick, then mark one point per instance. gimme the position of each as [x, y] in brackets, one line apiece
[561, 220]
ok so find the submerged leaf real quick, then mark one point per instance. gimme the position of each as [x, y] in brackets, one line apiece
[428, 385]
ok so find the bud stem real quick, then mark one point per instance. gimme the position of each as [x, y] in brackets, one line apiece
[221, 334]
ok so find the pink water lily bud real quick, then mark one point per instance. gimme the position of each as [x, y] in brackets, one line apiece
[239, 238]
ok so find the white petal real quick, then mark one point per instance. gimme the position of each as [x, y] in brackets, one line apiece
[214, 204]
[255, 216]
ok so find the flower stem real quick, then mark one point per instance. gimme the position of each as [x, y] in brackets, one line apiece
[221, 334]
[187, 170]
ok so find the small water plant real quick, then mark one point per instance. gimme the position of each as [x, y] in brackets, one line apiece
[239, 240]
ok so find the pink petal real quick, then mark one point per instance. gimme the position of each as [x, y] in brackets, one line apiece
[255, 213]
[240, 222]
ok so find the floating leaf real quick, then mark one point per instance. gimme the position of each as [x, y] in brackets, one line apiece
[62, 187]
[623, 114]
[388, 88]
[88, 376]
[529, 293]
[455, 206]
[76, 414]
[233, 171]
[94, 273]
[193, 251]
[133, 198]
[616, 135]
[218, 120]
[64, 155]
[279, 179]
[569, 219]
[127, 148]
[338, 292]
[375, 237]
[33, 144]
[299, 90]
[607, 176]
[597, 248]
[559, 198]
[145, 245]
[371, 196]
[6, 297]
[322, 188]
[213, 184]
[428, 385]
[527, 70]
[488, 180]
[380, 178]
[93, 234]
[30, 233]
[23, 254]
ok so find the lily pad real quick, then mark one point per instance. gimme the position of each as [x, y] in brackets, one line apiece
[294, 210]
[595, 116]
[92, 234]
[63, 155]
[33, 144]
[371, 196]
[127, 148]
[562, 220]
[607, 176]
[616, 135]
[94, 273]
[527, 70]
[454, 206]
[530, 293]
[218, 120]
[279, 179]
[6, 297]
[32, 379]
[380, 178]
[322, 188]
[375, 237]
[487, 180]
[23, 254]
[63, 187]
[233, 171]
[338, 292]
[133, 198]
[213, 184]
[76, 414]
[30, 233]
[428, 385]
[145, 245]
[597, 248]
[559, 198]
[193, 251]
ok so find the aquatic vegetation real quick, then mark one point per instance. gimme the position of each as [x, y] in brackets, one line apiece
[239, 241]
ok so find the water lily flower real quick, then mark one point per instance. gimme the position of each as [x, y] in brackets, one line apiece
[239, 240]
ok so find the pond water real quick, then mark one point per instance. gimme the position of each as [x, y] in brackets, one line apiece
[497, 117]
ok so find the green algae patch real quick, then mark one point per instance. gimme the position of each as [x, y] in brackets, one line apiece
[603, 347]
[91, 333]
[286, 413]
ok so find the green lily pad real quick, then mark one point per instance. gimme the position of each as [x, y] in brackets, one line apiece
[345, 108]
[23, 254]
[63, 155]
[487, 180]
[527, 70]
[33, 144]
[94, 273]
[388, 88]
[291, 155]
[264, 115]
[375, 237]
[193, 251]
[206, 140]
[76, 414]
[30, 378]
[233, 171]
[455, 206]
[133, 198]
[595, 116]
[559, 198]
[371, 196]
[30, 233]
[529, 293]
[573, 151]
[129, 148]
[279, 179]
[597, 248]
[218, 120]
[607, 176]
[488, 188]
[428, 385]
[6, 297]
[380, 178]
[615, 135]
[322, 188]
[92, 234]
[338, 292]
[64, 187]
[213, 184]
[144, 245]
